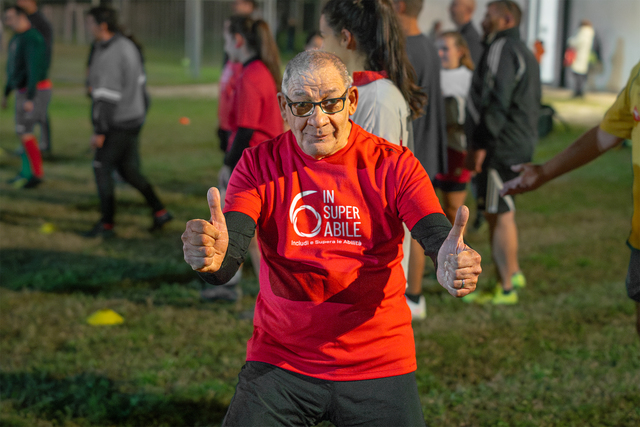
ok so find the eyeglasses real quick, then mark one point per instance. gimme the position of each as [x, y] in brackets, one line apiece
[328, 106]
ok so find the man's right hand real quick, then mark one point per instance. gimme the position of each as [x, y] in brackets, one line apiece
[4, 103]
[531, 177]
[205, 243]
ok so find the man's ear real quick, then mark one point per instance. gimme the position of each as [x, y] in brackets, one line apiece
[353, 97]
[282, 103]
[400, 7]
[347, 40]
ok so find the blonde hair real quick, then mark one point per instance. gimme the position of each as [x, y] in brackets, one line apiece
[461, 44]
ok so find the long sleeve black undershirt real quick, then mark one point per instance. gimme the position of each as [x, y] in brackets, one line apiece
[431, 231]
[239, 144]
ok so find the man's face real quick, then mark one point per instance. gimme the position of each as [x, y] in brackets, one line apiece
[460, 12]
[494, 21]
[242, 7]
[29, 5]
[319, 135]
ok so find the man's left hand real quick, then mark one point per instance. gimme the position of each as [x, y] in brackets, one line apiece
[458, 264]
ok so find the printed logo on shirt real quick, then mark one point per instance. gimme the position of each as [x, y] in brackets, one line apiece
[636, 115]
[335, 223]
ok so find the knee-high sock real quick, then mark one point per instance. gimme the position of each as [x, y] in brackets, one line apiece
[33, 155]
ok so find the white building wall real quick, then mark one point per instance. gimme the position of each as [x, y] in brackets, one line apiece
[616, 21]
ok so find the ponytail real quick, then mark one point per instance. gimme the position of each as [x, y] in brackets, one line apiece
[378, 35]
[268, 50]
[259, 39]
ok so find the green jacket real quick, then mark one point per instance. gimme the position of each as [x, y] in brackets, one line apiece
[26, 62]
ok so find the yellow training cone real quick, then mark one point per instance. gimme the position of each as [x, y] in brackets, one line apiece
[105, 317]
[47, 228]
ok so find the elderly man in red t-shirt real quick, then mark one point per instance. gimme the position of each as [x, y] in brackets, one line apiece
[332, 333]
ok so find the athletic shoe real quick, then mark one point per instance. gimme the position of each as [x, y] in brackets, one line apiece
[418, 309]
[518, 280]
[227, 292]
[22, 182]
[15, 179]
[502, 298]
[478, 297]
[160, 221]
[99, 230]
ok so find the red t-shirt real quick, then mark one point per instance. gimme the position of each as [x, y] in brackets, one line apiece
[255, 104]
[331, 302]
[228, 80]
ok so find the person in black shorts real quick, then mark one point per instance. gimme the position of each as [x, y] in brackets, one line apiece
[502, 130]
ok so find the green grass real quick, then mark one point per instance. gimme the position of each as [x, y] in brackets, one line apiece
[566, 355]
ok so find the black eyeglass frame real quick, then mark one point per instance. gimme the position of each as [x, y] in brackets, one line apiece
[319, 104]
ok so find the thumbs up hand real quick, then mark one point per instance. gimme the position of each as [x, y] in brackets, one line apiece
[205, 243]
[458, 264]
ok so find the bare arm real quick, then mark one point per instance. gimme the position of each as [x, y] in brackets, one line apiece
[586, 148]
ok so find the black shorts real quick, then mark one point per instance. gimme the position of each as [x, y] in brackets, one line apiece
[270, 396]
[489, 183]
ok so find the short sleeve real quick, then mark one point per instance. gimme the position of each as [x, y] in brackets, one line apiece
[618, 120]
[416, 196]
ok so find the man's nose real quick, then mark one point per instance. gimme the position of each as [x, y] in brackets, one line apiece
[318, 118]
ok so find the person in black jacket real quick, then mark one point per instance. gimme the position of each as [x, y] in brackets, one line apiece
[502, 130]
[40, 23]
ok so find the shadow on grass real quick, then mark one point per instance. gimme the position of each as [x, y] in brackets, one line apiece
[65, 272]
[97, 400]
[160, 283]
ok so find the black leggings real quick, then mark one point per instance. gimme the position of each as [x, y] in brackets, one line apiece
[120, 152]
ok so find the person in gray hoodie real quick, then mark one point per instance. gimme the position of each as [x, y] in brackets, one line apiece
[119, 106]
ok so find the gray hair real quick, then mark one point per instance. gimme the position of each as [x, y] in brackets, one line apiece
[313, 61]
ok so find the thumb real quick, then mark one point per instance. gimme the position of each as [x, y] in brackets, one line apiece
[457, 232]
[213, 197]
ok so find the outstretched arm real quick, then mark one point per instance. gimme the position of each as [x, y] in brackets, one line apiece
[586, 148]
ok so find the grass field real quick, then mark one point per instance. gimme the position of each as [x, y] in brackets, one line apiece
[566, 355]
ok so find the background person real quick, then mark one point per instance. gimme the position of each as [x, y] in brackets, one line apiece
[502, 130]
[620, 122]
[27, 74]
[254, 115]
[455, 77]
[42, 24]
[429, 133]
[332, 332]
[119, 106]
[461, 12]
[367, 37]
[582, 42]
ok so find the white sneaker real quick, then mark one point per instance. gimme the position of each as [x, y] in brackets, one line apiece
[419, 309]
